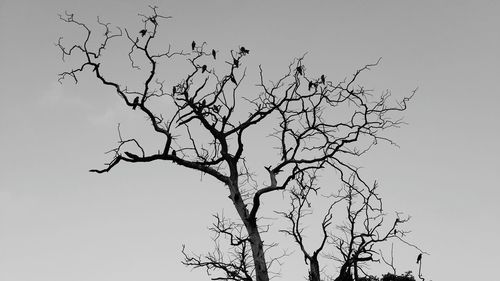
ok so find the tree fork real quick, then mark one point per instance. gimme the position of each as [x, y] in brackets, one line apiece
[252, 229]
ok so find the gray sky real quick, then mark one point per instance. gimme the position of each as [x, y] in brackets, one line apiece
[59, 222]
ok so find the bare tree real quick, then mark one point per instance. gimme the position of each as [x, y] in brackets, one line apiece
[204, 127]
[356, 238]
[301, 208]
[363, 231]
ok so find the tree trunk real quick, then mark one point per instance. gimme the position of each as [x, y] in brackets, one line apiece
[314, 269]
[259, 258]
[355, 267]
[256, 243]
[345, 273]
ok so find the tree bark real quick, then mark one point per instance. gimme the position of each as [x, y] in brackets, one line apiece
[355, 269]
[255, 239]
[259, 258]
[345, 273]
[314, 270]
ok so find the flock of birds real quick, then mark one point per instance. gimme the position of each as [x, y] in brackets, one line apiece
[312, 83]
[236, 64]
[243, 51]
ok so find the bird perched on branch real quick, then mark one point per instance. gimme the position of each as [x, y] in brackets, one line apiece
[143, 32]
[419, 258]
[323, 79]
[244, 51]
[193, 45]
[311, 84]
[233, 79]
[204, 68]
[299, 70]
[131, 155]
[214, 54]
[136, 102]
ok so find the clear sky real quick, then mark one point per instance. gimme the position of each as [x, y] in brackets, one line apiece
[59, 222]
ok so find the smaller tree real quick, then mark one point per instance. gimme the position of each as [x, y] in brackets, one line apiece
[300, 207]
[356, 239]
[363, 231]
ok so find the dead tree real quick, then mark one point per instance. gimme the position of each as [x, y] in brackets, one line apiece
[363, 230]
[203, 129]
[300, 208]
[356, 235]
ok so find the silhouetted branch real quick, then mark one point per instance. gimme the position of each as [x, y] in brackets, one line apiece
[390, 263]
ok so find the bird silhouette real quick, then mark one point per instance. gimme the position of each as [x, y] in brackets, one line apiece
[419, 258]
[214, 54]
[193, 45]
[131, 155]
[299, 70]
[136, 102]
[244, 51]
[173, 90]
[143, 32]
[323, 79]
[311, 84]
[204, 68]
